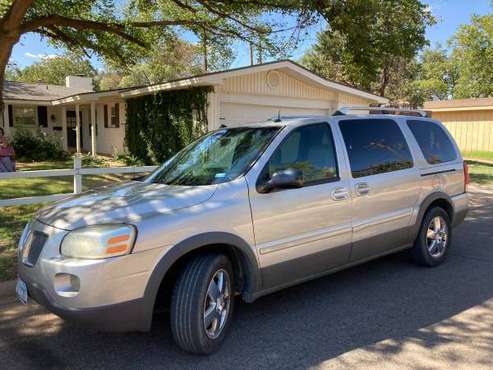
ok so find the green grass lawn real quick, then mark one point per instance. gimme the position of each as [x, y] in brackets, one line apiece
[487, 156]
[13, 219]
[481, 173]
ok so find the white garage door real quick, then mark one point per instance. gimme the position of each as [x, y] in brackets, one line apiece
[235, 114]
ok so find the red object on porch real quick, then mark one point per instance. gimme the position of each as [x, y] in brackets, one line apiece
[7, 156]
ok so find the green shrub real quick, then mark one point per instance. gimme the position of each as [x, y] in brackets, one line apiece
[129, 159]
[161, 124]
[37, 147]
[88, 160]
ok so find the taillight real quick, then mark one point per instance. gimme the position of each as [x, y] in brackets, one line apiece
[466, 176]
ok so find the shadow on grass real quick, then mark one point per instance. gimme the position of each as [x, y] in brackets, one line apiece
[12, 222]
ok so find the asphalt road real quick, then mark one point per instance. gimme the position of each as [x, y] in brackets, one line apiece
[384, 314]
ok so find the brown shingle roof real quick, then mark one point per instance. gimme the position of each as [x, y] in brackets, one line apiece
[458, 103]
[37, 91]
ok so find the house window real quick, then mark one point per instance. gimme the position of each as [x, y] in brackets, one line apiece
[43, 116]
[24, 116]
[115, 116]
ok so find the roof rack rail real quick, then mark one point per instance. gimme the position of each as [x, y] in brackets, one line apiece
[382, 110]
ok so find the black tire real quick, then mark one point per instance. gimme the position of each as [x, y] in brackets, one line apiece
[188, 303]
[420, 251]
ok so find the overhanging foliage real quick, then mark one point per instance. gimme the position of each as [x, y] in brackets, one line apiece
[159, 125]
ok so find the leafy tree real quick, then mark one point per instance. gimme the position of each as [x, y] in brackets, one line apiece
[11, 72]
[171, 60]
[472, 56]
[124, 36]
[368, 42]
[434, 77]
[54, 70]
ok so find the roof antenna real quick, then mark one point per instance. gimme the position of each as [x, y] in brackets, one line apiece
[278, 119]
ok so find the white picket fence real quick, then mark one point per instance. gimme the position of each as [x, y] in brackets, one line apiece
[77, 172]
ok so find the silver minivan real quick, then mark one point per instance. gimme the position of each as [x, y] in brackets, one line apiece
[245, 211]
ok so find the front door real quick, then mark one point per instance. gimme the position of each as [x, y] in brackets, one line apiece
[304, 231]
[72, 128]
[385, 185]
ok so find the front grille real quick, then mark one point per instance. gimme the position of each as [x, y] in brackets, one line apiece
[33, 247]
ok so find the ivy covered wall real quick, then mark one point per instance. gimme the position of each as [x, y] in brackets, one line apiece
[160, 124]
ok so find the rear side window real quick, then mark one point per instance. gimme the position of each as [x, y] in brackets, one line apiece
[433, 141]
[375, 146]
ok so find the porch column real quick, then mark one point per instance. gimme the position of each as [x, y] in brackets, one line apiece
[77, 128]
[64, 128]
[93, 129]
[6, 123]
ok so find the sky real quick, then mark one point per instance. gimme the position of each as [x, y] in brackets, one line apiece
[449, 13]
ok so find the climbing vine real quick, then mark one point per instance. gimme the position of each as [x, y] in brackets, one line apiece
[159, 125]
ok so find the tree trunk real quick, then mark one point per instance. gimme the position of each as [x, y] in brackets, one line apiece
[5, 52]
[385, 80]
[10, 33]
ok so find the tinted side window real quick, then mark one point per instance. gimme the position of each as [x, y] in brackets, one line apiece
[310, 149]
[375, 146]
[433, 141]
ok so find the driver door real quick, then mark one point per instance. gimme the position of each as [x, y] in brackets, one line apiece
[304, 231]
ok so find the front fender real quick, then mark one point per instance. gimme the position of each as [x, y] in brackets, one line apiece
[246, 252]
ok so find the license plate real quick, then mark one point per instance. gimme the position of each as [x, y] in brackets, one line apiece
[21, 290]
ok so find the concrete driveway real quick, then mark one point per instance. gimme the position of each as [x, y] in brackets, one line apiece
[384, 314]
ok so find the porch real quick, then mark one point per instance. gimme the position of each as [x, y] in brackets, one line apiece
[72, 123]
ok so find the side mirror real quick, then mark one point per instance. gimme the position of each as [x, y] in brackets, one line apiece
[283, 179]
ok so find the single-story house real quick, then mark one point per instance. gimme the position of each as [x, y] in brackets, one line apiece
[470, 121]
[240, 95]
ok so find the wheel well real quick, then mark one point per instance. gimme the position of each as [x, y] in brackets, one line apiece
[240, 269]
[445, 205]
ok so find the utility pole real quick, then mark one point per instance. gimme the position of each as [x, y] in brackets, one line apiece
[251, 54]
[204, 46]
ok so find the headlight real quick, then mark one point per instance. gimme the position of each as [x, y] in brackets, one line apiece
[100, 241]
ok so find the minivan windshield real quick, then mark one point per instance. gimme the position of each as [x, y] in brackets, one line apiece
[217, 157]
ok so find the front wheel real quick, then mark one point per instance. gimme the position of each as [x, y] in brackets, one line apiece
[434, 238]
[202, 304]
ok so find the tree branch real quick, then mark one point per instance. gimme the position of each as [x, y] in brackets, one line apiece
[83, 44]
[79, 24]
[15, 14]
[230, 17]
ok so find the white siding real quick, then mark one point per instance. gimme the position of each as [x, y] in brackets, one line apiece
[256, 84]
[236, 114]
[110, 140]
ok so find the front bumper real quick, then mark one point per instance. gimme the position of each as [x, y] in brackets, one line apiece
[109, 294]
[119, 317]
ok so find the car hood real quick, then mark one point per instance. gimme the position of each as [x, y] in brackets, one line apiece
[129, 202]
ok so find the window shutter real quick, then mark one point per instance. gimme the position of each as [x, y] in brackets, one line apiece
[105, 115]
[11, 116]
[117, 115]
[42, 116]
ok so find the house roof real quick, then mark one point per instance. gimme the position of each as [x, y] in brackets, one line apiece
[37, 91]
[206, 79]
[459, 104]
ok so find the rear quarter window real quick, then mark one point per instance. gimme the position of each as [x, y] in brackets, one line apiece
[433, 141]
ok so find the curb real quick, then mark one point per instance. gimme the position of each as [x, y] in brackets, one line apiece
[7, 288]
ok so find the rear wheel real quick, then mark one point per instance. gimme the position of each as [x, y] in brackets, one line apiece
[434, 238]
[202, 304]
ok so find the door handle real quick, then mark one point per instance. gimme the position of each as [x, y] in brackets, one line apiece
[339, 194]
[362, 188]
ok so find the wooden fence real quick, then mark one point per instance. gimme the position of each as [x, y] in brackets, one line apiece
[472, 130]
[77, 172]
